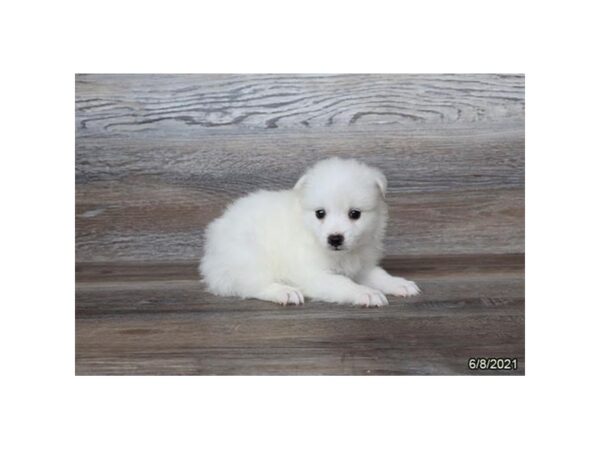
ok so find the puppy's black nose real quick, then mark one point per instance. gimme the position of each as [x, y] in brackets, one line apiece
[335, 240]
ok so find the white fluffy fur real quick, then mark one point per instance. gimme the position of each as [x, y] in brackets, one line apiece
[271, 246]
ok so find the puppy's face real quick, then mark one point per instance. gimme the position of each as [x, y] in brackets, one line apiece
[342, 203]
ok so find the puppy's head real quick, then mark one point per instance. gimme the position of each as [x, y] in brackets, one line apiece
[343, 203]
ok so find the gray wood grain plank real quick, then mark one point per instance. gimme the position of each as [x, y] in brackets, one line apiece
[159, 223]
[170, 103]
[427, 161]
[100, 273]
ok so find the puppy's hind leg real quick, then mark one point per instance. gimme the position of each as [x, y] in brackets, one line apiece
[281, 293]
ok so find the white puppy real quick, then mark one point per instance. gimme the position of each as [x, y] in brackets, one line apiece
[322, 240]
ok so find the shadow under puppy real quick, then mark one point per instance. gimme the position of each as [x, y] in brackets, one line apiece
[322, 239]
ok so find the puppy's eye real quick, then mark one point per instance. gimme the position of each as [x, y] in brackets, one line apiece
[354, 214]
[320, 213]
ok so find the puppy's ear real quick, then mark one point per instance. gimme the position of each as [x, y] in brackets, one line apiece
[381, 182]
[300, 183]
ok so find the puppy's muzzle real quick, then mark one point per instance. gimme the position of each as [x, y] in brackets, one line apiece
[335, 240]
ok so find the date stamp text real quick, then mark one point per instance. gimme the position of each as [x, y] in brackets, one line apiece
[493, 364]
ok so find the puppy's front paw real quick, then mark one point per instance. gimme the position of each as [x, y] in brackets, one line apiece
[400, 287]
[282, 294]
[290, 296]
[369, 298]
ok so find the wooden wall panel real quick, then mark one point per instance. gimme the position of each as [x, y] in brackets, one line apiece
[159, 156]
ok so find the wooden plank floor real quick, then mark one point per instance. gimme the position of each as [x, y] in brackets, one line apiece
[160, 156]
[159, 321]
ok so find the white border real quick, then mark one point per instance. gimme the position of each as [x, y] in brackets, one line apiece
[46, 43]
